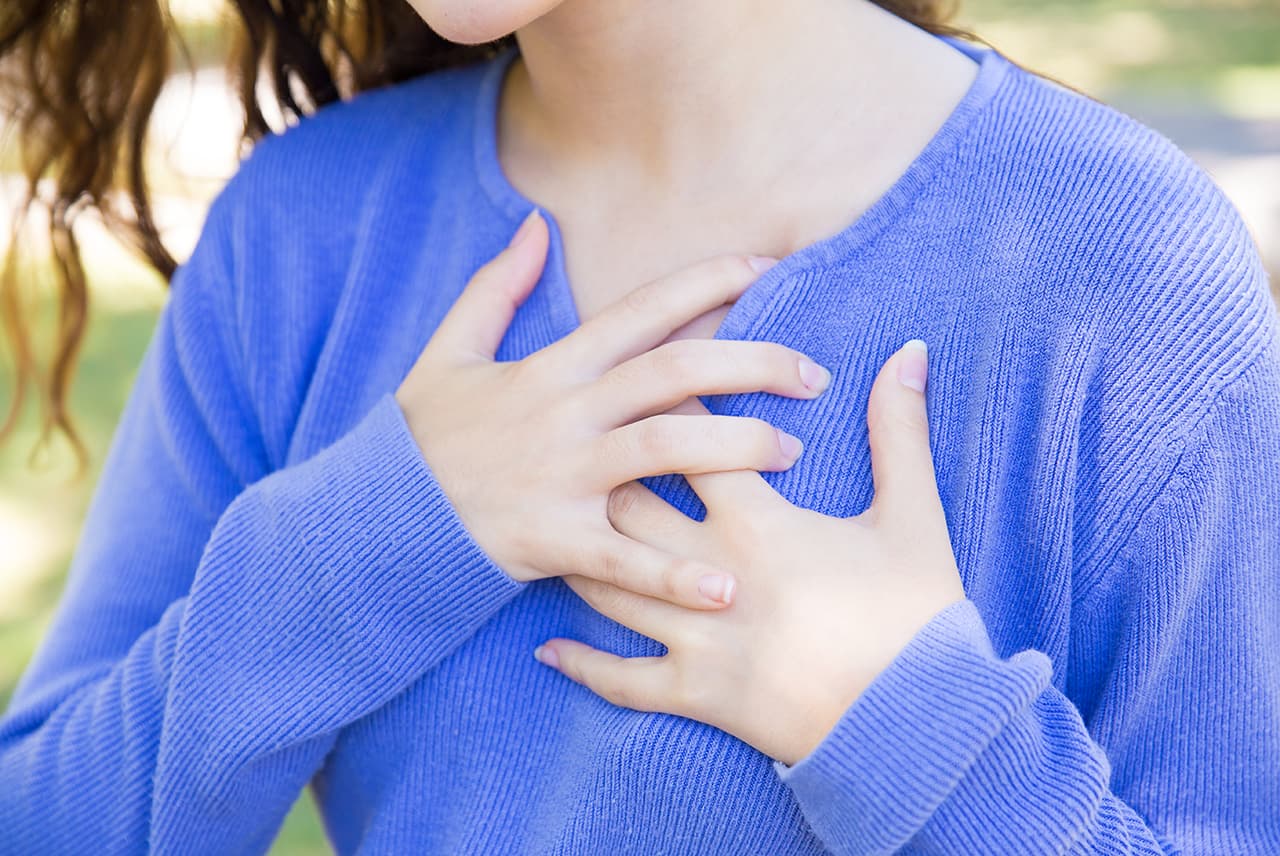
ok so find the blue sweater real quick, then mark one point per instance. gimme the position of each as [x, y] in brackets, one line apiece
[271, 589]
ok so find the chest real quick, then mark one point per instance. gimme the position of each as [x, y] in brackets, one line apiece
[604, 261]
[510, 740]
[611, 244]
[1005, 481]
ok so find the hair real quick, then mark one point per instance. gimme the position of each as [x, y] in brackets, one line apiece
[79, 80]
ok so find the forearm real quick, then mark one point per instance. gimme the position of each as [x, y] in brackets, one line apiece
[324, 590]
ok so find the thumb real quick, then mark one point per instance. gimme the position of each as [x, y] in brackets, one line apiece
[898, 428]
[479, 318]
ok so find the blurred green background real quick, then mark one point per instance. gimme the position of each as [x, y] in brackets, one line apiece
[1205, 73]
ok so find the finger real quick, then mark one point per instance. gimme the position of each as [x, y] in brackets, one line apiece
[646, 615]
[479, 318]
[663, 377]
[731, 491]
[638, 567]
[639, 683]
[898, 429]
[728, 489]
[644, 317]
[642, 515]
[668, 443]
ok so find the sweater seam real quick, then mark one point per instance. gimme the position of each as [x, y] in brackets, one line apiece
[1089, 579]
[221, 303]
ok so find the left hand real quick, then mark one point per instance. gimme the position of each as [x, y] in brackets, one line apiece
[823, 604]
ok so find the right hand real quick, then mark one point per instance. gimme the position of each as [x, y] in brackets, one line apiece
[529, 451]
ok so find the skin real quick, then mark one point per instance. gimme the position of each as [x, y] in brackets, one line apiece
[531, 448]
[816, 606]
[653, 131]
[658, 137]
[824, 603]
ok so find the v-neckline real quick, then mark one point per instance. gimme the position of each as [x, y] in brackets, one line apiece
[752, 304]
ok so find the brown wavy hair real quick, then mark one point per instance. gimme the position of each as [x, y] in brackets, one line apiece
[79, 79]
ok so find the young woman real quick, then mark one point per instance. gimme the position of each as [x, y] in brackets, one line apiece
[1043, 620]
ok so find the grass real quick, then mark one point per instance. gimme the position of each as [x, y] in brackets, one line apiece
[1221, 55]
[42, 504]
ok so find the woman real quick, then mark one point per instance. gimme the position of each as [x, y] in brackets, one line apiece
[323, 553]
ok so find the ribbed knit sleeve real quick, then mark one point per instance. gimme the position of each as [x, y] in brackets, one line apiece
[956, 749]
[214, 636]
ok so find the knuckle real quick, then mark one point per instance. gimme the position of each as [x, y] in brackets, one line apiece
[623, 695]
[723, 441]
[732, 268]
[913, 420]
[762, 438]
[611, 448]
[688, 692]
[884, 418]
[654, 438]
[574, 409]
[608, 565]
[876, 416]
[571, 668]
[785, 361]
[618, 377]
[718, 432]
[770, 364]
[639, 300]
[610, 600]
[676, 359]
[622, 501]
[535, 379]
[673, 576]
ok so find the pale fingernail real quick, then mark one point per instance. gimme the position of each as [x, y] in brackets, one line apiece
[913, 366]
[716, 587]
[814, 376]
[546, 656]
[525, 228]
[790, 445]
[760, 264]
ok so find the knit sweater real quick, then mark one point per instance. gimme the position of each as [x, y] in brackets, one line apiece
[271, 589]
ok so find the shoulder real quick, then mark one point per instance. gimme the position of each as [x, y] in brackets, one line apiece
[309, 212]
[1139, 278]
[1095, 183]
[303, 199]
[333, 158]
[1053, 143]
[1138, 244]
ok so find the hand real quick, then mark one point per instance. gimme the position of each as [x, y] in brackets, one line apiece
[824, 603]
[528, 451]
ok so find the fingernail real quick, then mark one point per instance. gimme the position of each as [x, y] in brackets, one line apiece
[716, 587]
[546, 656]
[814, 376]
[525, 228]
[760, 264]
[913, 366]
[791, 446]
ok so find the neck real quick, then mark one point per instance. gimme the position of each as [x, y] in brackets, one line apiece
[689, 93]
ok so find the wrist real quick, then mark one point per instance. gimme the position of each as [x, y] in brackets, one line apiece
[822, 713]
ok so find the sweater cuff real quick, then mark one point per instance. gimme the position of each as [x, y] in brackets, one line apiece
[906, 743]
[327, 588]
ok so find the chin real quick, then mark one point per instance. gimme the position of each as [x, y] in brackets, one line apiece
[471, 23]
